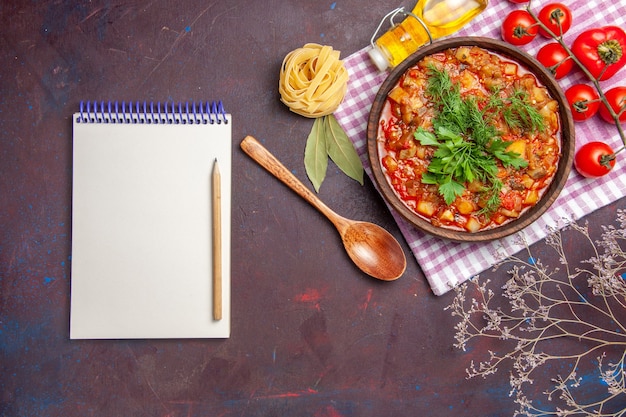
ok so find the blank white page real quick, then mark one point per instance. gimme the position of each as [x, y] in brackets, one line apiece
[141, 230]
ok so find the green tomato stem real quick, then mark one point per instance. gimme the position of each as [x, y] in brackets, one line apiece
[610, 52]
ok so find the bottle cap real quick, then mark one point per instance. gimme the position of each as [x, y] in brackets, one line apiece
[378, 58]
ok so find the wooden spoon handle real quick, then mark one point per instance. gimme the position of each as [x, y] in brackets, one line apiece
[256, 151]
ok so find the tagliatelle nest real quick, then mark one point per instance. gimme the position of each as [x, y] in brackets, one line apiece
[313, 80]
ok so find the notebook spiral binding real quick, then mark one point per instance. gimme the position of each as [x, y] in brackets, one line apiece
[151, 113]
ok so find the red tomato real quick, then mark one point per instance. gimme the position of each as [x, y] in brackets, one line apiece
[583, 101]
[601, 51]
[594, 159]
[512, 200]
[519, 28]
[616, 97]
[557, 17]
[556, 59]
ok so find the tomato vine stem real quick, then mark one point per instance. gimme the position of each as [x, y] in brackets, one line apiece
[595, 81]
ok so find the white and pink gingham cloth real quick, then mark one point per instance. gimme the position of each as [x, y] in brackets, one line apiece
[445, 263]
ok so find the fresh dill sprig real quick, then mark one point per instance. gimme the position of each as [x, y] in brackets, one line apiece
[516, 111]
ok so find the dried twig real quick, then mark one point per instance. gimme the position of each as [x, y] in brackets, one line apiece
[568, 319]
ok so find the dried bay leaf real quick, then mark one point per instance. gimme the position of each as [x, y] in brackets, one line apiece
[341, 150]
[315, 154]
[328, 139]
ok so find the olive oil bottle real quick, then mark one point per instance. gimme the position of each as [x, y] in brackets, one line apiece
[430, 19]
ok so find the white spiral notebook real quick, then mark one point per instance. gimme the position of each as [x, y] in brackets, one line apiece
[142, 242]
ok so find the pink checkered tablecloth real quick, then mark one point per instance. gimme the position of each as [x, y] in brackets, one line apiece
[445, 263]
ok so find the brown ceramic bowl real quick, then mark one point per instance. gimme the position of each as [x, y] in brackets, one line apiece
[567, 140]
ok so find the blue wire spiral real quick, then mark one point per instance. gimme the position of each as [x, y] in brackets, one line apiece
[152, 113]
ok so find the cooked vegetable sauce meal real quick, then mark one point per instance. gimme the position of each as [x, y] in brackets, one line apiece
[469, 139]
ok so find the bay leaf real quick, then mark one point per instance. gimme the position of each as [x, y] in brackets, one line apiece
[341, 150]
[315, 154]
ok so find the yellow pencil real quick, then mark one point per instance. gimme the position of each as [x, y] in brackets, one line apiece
[217, 243]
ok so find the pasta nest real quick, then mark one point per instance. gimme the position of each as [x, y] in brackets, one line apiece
[313, 80]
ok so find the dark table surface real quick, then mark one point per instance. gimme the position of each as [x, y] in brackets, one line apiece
[311, 334]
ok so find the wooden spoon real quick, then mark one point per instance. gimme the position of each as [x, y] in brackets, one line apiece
[374, 250]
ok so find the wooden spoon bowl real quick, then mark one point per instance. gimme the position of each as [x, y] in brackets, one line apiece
[374, 250]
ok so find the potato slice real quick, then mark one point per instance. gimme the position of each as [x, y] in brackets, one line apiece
[519, 147]
[472, 225]
[446, 215]
[427, 208]
[465, 206]
[398, 94]
[531, 197]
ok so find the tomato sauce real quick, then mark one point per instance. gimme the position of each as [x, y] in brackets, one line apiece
[478, 72]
